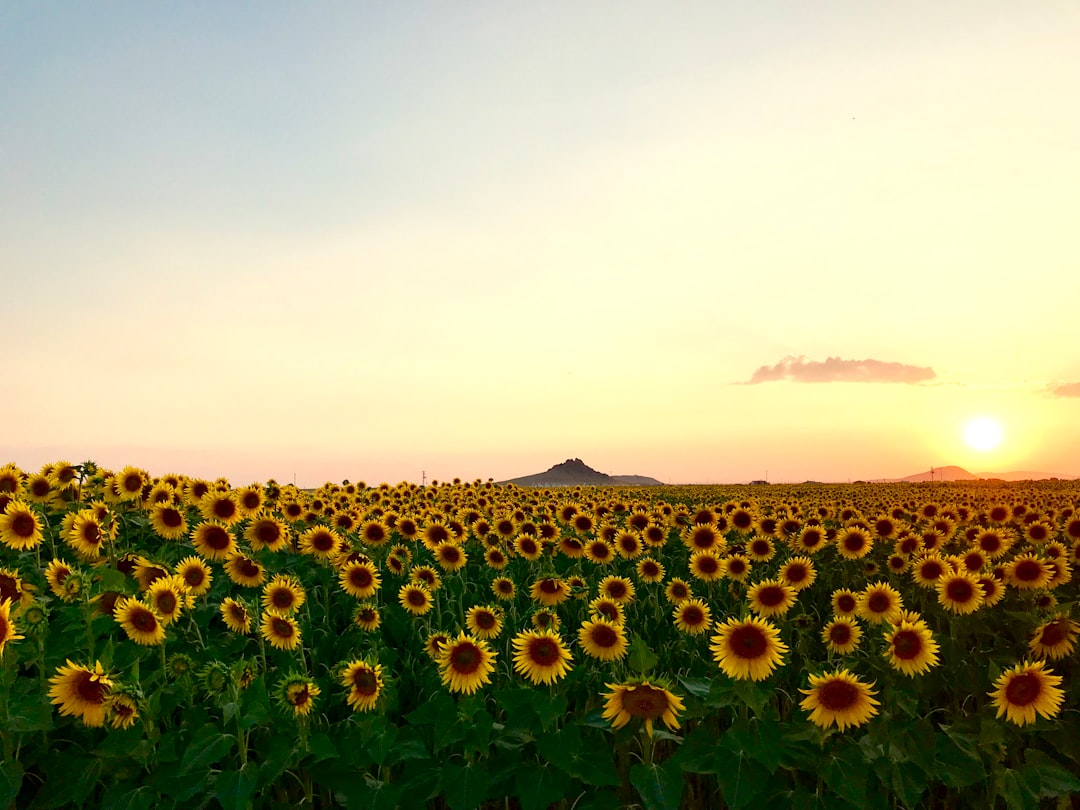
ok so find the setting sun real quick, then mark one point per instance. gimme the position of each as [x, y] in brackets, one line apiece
[983, 433]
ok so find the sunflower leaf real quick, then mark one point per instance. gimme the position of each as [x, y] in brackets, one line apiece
[11, 777]
[539, 787]
[464, 786]
[1047, 777]
[641, 658]
[660, 786]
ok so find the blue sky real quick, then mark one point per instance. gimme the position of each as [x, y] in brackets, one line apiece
[476, 239]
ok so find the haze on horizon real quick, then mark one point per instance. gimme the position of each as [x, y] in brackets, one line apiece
[696, 243]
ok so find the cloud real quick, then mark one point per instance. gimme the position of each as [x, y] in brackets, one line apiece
[834, 369]
[1067, 390]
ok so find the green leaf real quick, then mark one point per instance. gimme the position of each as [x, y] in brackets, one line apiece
[846, 775]
[908, 782]
[958, 762]
[207, 747]
[381, 745]
[275, 758]
[540, 786]
[322, 747]
[11, 777]
[660, 787]
[641, 658]
[761, 740]
[741, 779]
[234, 789]
[698, 687]
[465, 786]
[110, 579]
[1047, 777]
[376, 795]
[1013, 789]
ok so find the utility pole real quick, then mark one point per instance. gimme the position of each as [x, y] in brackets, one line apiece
[423, 477]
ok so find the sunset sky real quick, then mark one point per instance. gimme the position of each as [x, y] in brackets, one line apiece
[704, 241]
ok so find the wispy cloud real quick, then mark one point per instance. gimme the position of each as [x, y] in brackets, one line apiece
[835, 369]
[1066, 390]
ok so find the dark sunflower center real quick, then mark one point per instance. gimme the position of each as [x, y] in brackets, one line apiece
[771, 596]
[194, 577]
[217, 538]
[960, 590]
[417, 598]
[907, 644]
[266, 531]
[282, 598]
[1023, 689]
[1053, 634]
[1028, 570]
[23, 525]
[365, 683]
[837, 695]
[748, 642]
[92, 691]
[604, 636]
[172, 518]
[846, 603]
[616, 589]
[144, 621]
[797, 573]
[360, 577]
[854, 542]
[742, 520]
[484, 620]
[878, 603]
[132, 483]
[544, 651]
[840, 634]
[465, 658]
[645, 701]
[282, 628]
[693, 616]
[736, 567]
[707, 564]
[166, 602]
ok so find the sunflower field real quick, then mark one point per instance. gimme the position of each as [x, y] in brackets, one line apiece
[177, 642]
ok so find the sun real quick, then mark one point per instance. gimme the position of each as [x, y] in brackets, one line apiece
[983, 433]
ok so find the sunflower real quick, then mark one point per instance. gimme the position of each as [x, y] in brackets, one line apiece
[540, 656]
[484, 622]
[20, 527]
[297, 692]
[434, 643]
[842, 635]
[250, 499]
[619, 589]
[747, 648]
[213, 540]
[122, 707]
[854, 542]
[220, 506]
[678, 591]
[879, 602]
[1054, 639]
[10, 479]
[281, 631]
[798, 572]
[266, 532]
[628, 544]
[320, 542]
[839, 698]
[465, 663]
[911, 647]
[146, 572]
[642, 698]
[427, 576]
[771, 597]
[599, 551]
[7, 627]
[168, 520]
[359, 579]
[503, 588]
[283, 595]
[527, 546]
[736, 567]
[761, 549]
[995, 541]
[244, 571]
[703, 537]
[649, 570]
[168, 598]
[142, 623]
[130, 482]
[56, 573]
[374, 533]
[706, 566]
[692, 617]
[960, 592]
[550, 591]
[811, 540]
[546, 619]
[196, 575]
[603, 607]
[364, 682]
[496, 558]
[1028, 572]
[82, 691]
[603, 639]
[1026, 690]
[367, 617]
[415, 598]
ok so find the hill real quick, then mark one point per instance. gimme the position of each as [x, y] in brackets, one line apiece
[574, 472]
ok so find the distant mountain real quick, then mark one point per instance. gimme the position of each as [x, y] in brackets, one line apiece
[953, 473]
[574, 473]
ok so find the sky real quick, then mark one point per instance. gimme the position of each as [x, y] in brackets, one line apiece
[707, 242]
